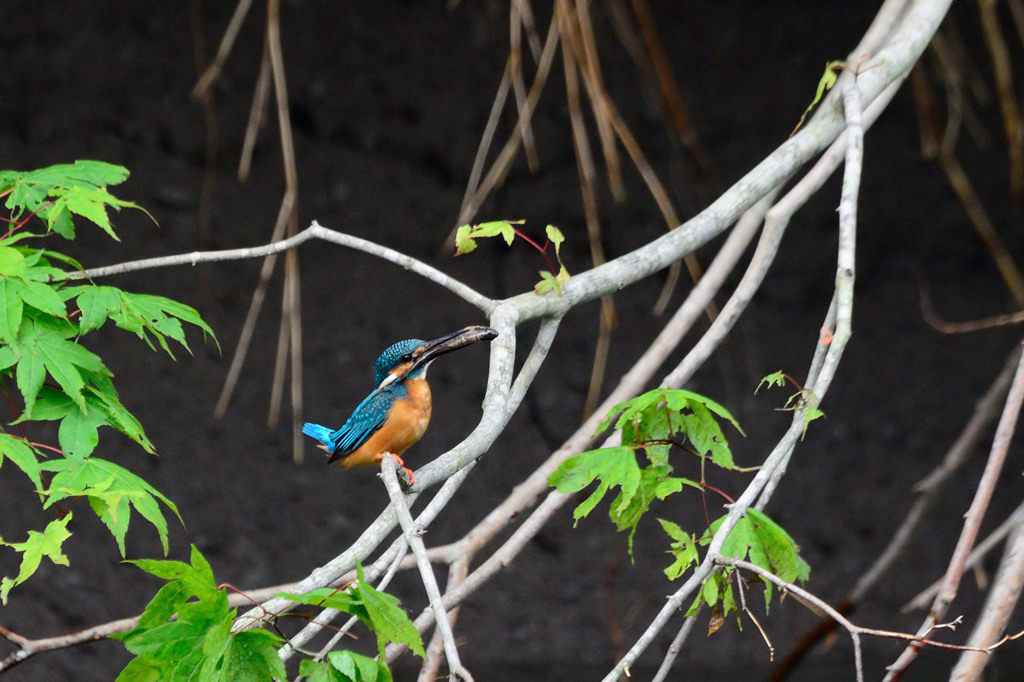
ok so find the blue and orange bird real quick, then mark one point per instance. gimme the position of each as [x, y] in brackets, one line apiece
[396, 414]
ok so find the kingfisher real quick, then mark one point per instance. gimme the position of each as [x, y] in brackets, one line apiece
[396, 414]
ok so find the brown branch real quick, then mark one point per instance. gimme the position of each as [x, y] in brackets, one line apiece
[934, 145]
[1002, 69]
[940, 324]
[855, 631]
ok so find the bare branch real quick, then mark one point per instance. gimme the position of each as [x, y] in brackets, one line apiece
[972, 520]
[414, 538]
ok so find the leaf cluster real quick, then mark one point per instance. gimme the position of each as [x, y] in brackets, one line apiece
[756, 538]
[551, 279]
[185, 633]
[655, 423]
[378, 611]
[43, 319]
[652, 423]
[803, 399]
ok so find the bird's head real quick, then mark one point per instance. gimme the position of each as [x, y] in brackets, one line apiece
[409, 359]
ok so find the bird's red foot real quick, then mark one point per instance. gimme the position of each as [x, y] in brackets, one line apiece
[401, 463]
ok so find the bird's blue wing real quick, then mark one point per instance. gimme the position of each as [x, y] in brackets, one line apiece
[366, 420]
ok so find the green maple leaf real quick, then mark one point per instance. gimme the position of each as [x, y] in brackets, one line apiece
[764, 543]
[683, 548]
[46, 544]
[44, 348]
[149, 317]
[377, 610]
[615, 466]
[198, 644]
[113, 492]
[388, 619]
[23, 456]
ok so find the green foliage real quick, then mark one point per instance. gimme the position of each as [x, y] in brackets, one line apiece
[803, 398]
[828, 79]
[198, 643]
[185, 631]
[757, 539]
[55, 193]
[653, 423]
[379, 611]
[48, 544]
[551, 279]
[43, 320]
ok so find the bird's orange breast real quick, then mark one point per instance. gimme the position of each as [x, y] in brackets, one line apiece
[406, 422]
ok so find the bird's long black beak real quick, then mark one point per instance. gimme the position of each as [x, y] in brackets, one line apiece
[449, 342]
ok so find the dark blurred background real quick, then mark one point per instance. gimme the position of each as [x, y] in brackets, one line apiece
[388, 101]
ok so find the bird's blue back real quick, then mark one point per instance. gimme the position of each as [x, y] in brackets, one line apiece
[371, 414]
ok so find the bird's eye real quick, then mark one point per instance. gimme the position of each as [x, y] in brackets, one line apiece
[407, 357]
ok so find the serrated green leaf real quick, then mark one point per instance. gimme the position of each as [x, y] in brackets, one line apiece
[772, 380]
[157, 316]
[78, 433]
[761, 541]
[112, 491]
[31, 190]
[58, 220]
[80, 173]
[97, 303]
[30, 375]
[44, 348]
[611, 466]
[654, 485]
[195, 578]
[89, 202]
[496, 228]
[706, 436]
[42, 297]
[463, 242]
[388, 619]
[198, 644]
[248, 655]
[23, 456]
[46, 544]
[78, 429]
[681, 398]
[100, 395]
[683, 548]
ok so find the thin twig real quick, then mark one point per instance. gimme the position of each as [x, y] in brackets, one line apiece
[940, 324]
[855, 631]
[977, 555]
[1002, 69]
[972, 521]
[212, 72]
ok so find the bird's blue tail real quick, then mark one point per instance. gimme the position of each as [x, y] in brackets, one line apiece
[321, 433]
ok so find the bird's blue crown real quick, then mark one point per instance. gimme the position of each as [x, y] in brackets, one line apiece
[392, 357]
